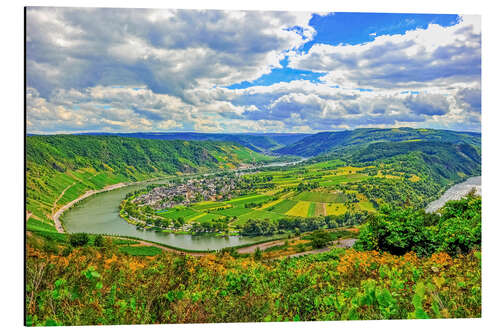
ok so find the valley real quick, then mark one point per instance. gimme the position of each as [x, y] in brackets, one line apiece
[146, 202]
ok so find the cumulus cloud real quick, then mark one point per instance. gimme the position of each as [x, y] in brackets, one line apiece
[122, 70]
[167, 50]
[419, 58]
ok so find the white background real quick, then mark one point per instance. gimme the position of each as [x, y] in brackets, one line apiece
[11, 162]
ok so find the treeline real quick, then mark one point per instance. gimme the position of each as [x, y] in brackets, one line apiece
[259, 227]
[455, 230]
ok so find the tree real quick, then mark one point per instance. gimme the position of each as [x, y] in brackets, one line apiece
[320, 238]
[99, 241]
[78, 239]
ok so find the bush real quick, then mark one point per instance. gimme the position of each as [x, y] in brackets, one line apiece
[50, 246]
[319, 239]
[78, 239]
[99, 241]
[399, 231]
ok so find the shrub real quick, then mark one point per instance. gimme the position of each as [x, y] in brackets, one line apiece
[399, 230]
[79, 239]
[319, 238]
[99, 241]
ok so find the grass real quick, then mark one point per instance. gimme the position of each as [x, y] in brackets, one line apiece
[140, 250]
[208, 205]
[235, 211]
[321, 197]
[336, 180]
[35, 225]
[175, 213]
[312, 210]
[208, 217]
[118, 241]
[335, 209]
[253, 199]
[259, 214]
[301, 208]
[366, 205]
[282, 207]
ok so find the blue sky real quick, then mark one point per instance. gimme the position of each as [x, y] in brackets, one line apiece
[127, 70]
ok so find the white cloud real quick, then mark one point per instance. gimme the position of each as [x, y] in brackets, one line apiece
[157, 70]
[419, 58]
[167, 50]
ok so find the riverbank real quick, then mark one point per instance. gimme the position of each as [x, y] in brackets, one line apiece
[246, 249]
[87, 194]
[455, 192]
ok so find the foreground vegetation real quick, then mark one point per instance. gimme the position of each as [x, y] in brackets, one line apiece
[90, 286]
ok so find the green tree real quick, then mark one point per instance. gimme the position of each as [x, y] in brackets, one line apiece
[78, 239]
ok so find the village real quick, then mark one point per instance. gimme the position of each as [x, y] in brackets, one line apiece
[191, 191]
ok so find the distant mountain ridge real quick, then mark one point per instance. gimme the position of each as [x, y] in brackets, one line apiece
[330, 142]
[259, 142]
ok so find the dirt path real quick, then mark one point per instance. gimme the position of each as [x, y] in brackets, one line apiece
[87, 194]
[164, 248]
[59, 198]
[262, 246]
[300, 254]
[343, 243]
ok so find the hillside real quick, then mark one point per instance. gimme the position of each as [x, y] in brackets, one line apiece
[259, 142]
[59, 168]
[439, 160]
[330, 142]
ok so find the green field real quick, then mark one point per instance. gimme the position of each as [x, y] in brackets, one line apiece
[336, 180]
[175, 213]
[312, 209]
[235, 211]
[35, 225]
[208, 217]
[259, 214]
[282, 207]
[246, 200]
[321, 197]
[366, 205]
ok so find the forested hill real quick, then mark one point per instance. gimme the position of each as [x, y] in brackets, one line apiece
[329, 142]
[259, 142]
[442, 162]
[69, 165]
[129, 155]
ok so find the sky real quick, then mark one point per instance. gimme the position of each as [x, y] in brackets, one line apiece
[151, 70]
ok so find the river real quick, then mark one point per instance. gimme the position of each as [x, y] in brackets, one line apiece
[455, 192]
[99, 214]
